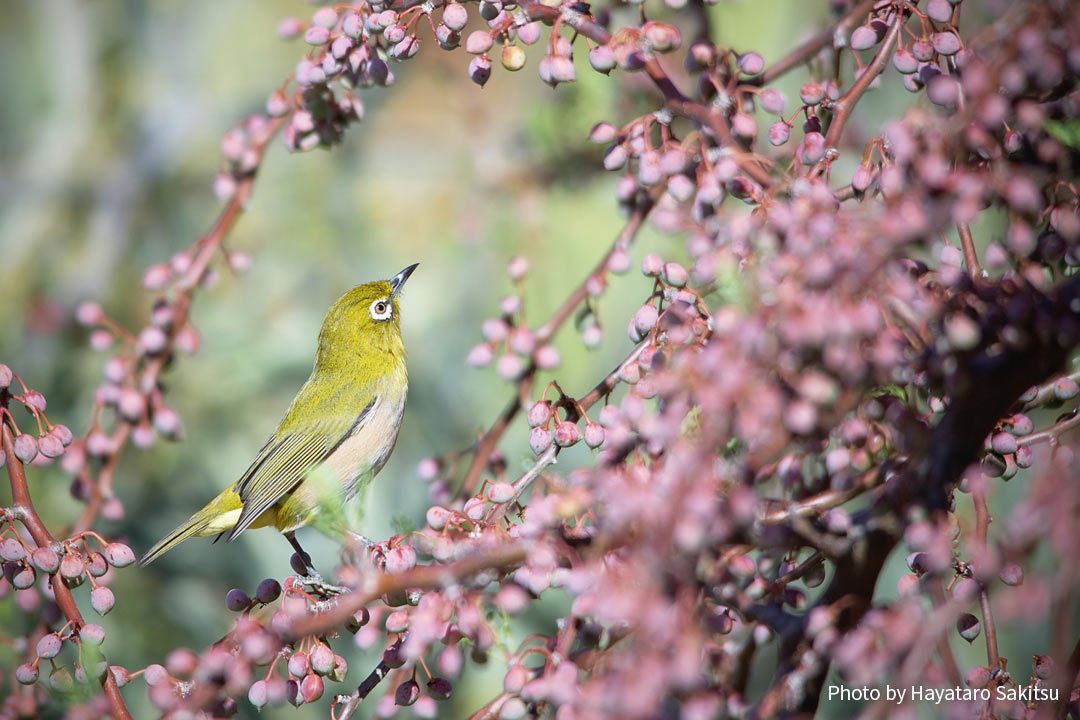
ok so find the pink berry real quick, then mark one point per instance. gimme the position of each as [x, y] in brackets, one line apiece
[46, 560]
[119, 555]
[501, 492]
[752, 63]
[49, 646]
[547, 358]
[539, 413]
[311, 687]
[478, 42]
[863, 38]
[567, 434]
[455, 16]
[594, 435]
[480, 356]
[539, 440]
[102, 600]
[322, 659]
[437, 517]
[26, 448]
[400, 559]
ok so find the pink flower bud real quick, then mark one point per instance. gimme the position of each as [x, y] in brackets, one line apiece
[119, 555]
[811, 93]
[509, 367]
[325, 17]
[474, 508]
[501, 492]
[675, 274]
[863, 38]
[539, 440]
[567, 434]
[46, 560]
[88, 314]
[779, 132]
[289, 28]
[437, 517]
[455, 16]
[522, 341]
[102, 600]
[594, 435]
[26, 448]
[772, 101]
[480, 356]
[167, 422]
[50, 446]
[35, 400]
[602, 59]
[316, 35]
[603, 133]
[152, 339]
[49, 646]
[478, 42]
[619, 261]
[428, 469]
[539, 414]
[400, 559]
[752, 63]
[322, 659]
[547, 358]
[529, 33]
[311, 687]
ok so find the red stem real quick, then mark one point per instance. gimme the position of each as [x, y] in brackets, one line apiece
[24, 507]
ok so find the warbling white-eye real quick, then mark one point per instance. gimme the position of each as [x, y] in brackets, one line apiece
[335, 437]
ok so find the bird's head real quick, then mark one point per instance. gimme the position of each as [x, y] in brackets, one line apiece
[364, 323]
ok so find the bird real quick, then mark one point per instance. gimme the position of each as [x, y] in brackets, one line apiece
[335, 437]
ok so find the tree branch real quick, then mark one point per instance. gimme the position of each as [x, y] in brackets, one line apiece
[24, 506]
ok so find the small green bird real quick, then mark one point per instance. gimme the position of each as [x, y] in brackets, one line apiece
[335, 437]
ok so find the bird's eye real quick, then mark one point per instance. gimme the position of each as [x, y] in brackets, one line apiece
[380, 310]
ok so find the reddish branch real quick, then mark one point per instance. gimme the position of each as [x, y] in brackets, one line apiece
[24, 508]
[982, 528]
[971, 258]
[843, 107]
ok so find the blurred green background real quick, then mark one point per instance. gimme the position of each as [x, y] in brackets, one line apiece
[109, 142]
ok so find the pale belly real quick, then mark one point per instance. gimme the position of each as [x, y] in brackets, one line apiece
[355, 462]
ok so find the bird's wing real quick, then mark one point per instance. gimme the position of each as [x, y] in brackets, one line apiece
[284, 461]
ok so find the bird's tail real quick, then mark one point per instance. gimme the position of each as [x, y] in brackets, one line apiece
[194, 527]
[218, 516]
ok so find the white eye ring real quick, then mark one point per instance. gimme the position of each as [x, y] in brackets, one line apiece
[381, 309]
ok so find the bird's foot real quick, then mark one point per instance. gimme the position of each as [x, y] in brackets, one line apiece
[314, 582]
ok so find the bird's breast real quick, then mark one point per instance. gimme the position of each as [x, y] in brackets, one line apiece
[362, 455]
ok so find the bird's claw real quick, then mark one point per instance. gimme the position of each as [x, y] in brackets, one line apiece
[315, 582]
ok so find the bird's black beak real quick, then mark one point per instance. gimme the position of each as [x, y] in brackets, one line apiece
[398, 281]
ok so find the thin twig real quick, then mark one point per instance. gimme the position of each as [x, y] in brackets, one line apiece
[971, 258]
[363, 690]
[982, 528]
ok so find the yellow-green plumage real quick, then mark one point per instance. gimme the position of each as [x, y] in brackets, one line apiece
[341, 426]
